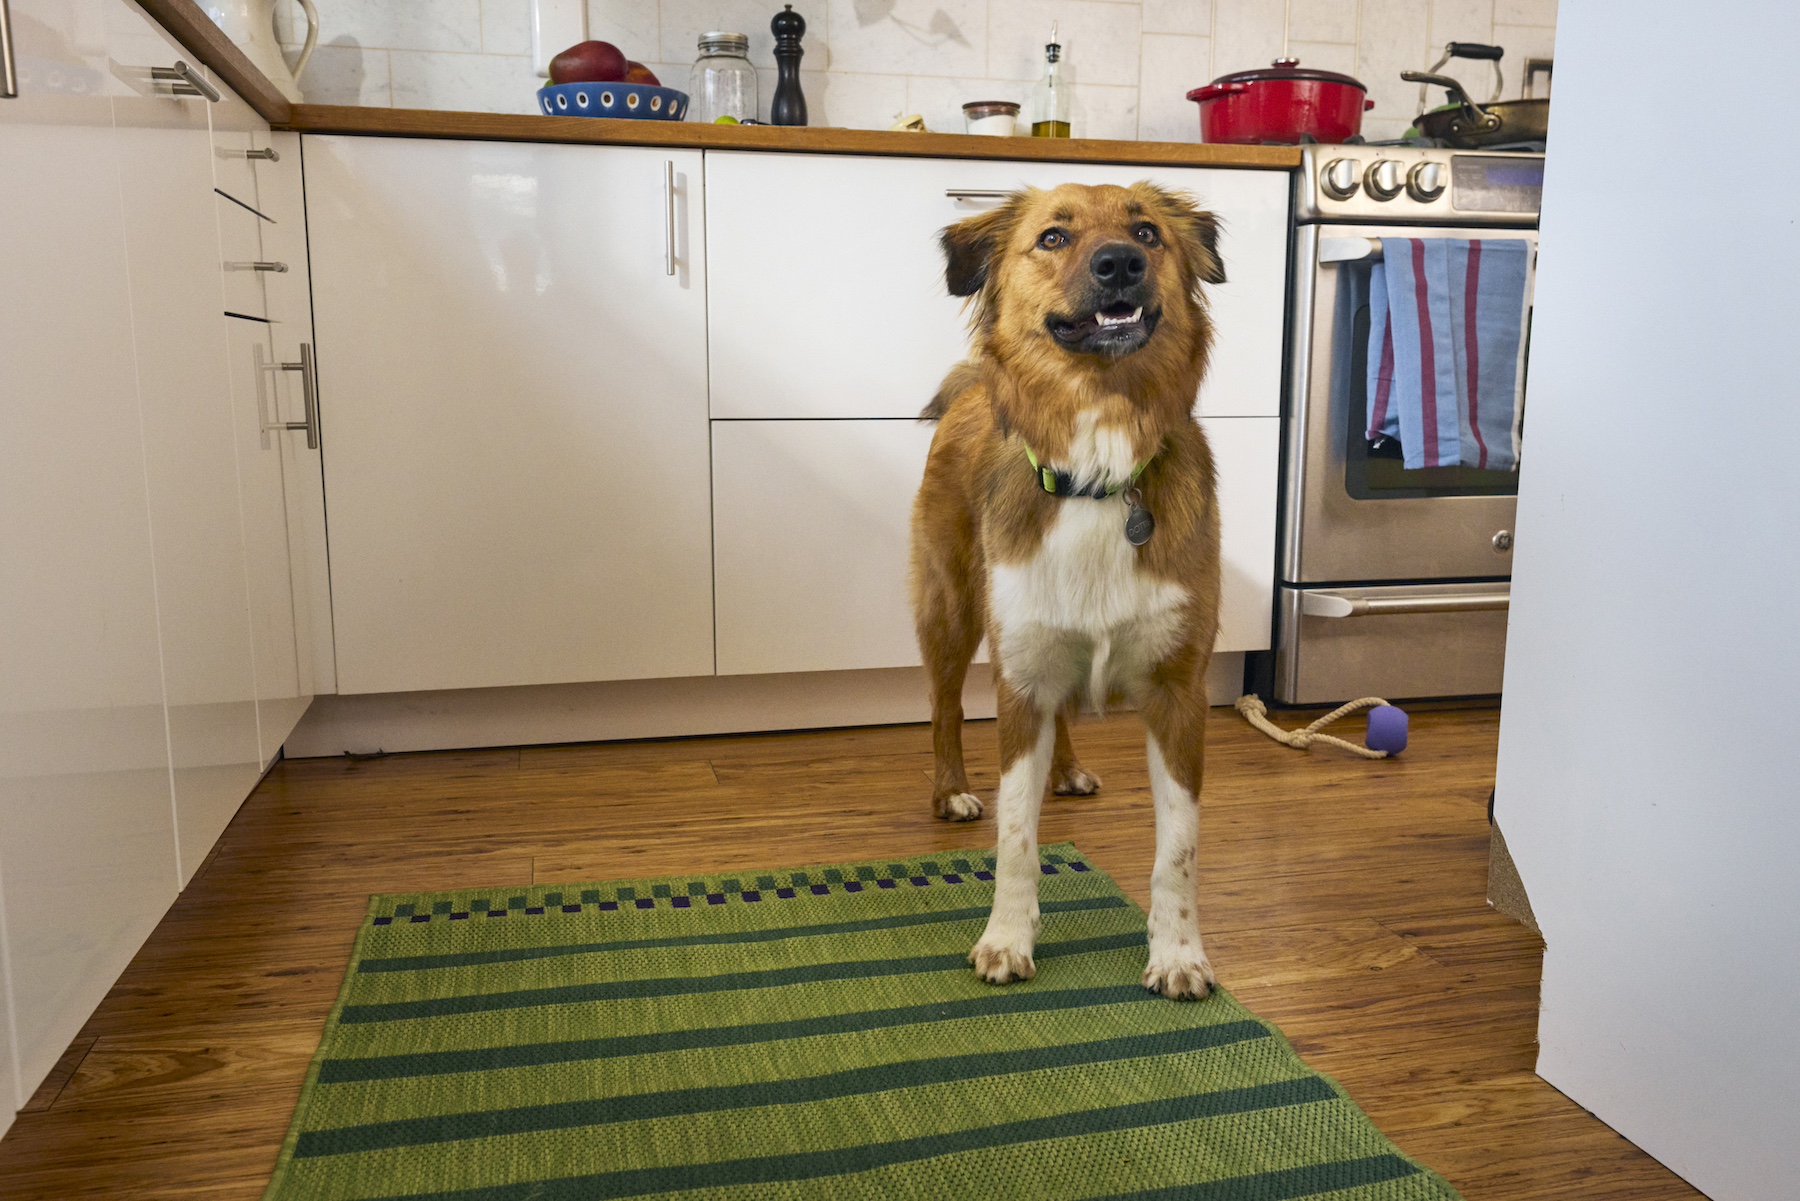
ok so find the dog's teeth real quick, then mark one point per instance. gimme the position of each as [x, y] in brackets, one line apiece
[1103, 319]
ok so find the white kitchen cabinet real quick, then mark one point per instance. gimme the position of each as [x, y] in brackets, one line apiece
[281, 198]
[826, 289]
[1247, 453]
[812, 524]
[172, 241]
[87, 839]
[281, 695]
[513, 384]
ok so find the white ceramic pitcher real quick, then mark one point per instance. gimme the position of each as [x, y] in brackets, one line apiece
[251, 24]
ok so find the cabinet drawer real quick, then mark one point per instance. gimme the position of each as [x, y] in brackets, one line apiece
[240, 250]
[844, 314]
[1247, 453]
[812, 521]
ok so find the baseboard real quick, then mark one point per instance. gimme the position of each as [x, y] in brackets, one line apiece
[608, 711]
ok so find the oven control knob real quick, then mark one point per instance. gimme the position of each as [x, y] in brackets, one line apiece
[1384, 178]
[1425, 181]
[1339, 178]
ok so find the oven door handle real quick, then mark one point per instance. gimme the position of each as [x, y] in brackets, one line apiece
[1329, 604]
[1349, 250]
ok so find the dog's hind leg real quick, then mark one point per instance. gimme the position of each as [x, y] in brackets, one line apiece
[1004, 953]
[947, 610]
[1068, 777]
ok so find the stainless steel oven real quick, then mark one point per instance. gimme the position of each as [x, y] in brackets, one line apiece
[1392, 582]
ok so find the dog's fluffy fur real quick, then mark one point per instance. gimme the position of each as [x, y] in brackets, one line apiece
[1070, 609]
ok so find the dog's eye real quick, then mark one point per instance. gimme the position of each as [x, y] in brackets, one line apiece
[1053, 239]
[1147, 235]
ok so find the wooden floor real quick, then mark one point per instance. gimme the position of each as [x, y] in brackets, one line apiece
[1342, 899]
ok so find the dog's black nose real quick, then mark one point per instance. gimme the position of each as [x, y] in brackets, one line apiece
[1118, 265]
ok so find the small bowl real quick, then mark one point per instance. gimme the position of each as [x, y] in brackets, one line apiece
[631, 101]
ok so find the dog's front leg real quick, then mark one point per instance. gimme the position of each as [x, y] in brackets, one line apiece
[1027, 735]
[1178, 966]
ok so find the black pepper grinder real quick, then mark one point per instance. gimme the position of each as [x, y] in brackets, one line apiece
[789, 105]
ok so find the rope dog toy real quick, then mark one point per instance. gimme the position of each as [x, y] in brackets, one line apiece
[1386, 736]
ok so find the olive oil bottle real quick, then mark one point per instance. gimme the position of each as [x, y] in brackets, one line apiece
[1050, 98]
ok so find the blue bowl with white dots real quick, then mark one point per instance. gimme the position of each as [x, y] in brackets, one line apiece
[631, 101]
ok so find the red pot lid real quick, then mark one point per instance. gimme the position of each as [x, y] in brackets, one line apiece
[1289, 68]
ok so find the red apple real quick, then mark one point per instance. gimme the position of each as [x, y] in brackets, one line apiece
[589, 62]
[639, 73]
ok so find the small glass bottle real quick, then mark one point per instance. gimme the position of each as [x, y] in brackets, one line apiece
[1050, 98]
[723, 83]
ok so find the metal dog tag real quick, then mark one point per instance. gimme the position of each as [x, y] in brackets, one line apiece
[1139, 525]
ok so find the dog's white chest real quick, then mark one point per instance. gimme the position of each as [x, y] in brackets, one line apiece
[1079, 612]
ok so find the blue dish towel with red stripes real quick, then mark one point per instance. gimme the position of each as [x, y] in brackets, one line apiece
[1446, 316]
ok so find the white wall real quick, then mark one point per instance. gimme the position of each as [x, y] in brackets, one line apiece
[1648, 749]
[1133, 61]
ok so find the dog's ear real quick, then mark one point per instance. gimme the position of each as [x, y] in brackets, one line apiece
[1197, 231]
[1203, 227]
[970, 247]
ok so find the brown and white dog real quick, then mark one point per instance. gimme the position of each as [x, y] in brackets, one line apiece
[1071, 419]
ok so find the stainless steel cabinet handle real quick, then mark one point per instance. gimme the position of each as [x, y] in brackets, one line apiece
[277, 268]
[669, 217]
[975, 194]
[309, 396]
[187, 81]
[268, 154]
[9, 71]
[1326, 604]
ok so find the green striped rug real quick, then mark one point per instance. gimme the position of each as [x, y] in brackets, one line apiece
[800, 1034]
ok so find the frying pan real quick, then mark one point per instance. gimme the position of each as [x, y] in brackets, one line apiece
[1469, 125]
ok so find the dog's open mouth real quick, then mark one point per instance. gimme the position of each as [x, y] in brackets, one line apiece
[1117, 328]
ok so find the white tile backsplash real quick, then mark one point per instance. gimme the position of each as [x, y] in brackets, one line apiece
[444, 25]
[1247, 35]
[1174, 65]
[506, 27]
[1130, 61]
[1323, 21]
[1193, 17]
[1099, 39]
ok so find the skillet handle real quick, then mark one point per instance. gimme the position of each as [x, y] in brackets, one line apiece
[1475, 50]
[1480, 120]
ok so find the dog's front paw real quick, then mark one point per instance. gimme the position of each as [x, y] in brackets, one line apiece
[957, 807]
[1182, 977]
[1001, 963]
[1073, 781]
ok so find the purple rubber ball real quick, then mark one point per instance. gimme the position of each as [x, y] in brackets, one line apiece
[1387, 729]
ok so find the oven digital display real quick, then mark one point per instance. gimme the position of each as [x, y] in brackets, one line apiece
[1494, 183]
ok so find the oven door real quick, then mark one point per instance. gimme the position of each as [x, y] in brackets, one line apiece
[1354, 514]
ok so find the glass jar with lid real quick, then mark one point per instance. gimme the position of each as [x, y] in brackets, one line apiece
[723, 83]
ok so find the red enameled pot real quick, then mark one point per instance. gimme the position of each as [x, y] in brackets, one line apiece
[1282, 103]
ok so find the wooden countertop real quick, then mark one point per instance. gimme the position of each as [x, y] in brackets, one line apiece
[196, 31]
[505, 127]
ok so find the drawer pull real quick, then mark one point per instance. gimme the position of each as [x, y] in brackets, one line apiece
[186, 81]
[9, 71]
[1327, 604]
[668, 216]
[975, 194]
[268, 154]
[277, 268]
[309, 396]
